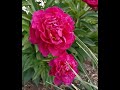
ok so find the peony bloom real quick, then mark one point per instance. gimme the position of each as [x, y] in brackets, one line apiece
[61, 70]
[52, 31]
[92, 3]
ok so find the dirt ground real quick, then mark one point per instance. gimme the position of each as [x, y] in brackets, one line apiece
[93, 74]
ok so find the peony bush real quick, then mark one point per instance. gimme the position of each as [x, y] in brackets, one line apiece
[58, 37]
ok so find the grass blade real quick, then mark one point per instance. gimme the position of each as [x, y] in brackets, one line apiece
[54, 85]
[79, 78]
[87, 51]
[75, 87]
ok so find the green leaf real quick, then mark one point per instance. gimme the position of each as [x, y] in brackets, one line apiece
[80, 79]
[87, 51]
[31, 5]
[88, 41]
[81, 13]
[84, 70]
[28, 63]
[49, 3]
[49, 79]
[25, 3]
[70, 3]
[27, 45]
[90, 14]
[36, 5]
[25, 22]
[72, 6]
[24, 59]
[76, 88]
[80, 32]
[54, 85]
[72, 50]
[93, 35]
[28, 51]
[30, 10]
[37, 81]
[25, 39]
[37, 68]
[27, 75]
[37, 73]
[36, 48]
[63, 6]
[25, 28]
[43, 76]
[26, 17]
[39, 56]
[88, 25]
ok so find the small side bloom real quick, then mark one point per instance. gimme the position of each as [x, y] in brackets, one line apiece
[61, 71]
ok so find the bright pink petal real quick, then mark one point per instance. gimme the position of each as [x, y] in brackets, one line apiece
[32, 36]
[57, 81]
[55, 51]
[67, 80]
[70, 37]
[60, 33]
[43, 48]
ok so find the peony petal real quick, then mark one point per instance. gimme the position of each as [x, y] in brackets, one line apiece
[32, 36]
[70, 37]
[54, 10]
[57, 81]
[55, 51]
[43, 48]
[67, 80]
[61, 71]
[60, 33]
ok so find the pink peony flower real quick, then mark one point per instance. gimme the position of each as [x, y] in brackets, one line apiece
[92, 3]
[61, 70]
[52, 31]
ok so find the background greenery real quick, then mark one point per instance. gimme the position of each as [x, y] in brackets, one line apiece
[35, 66]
